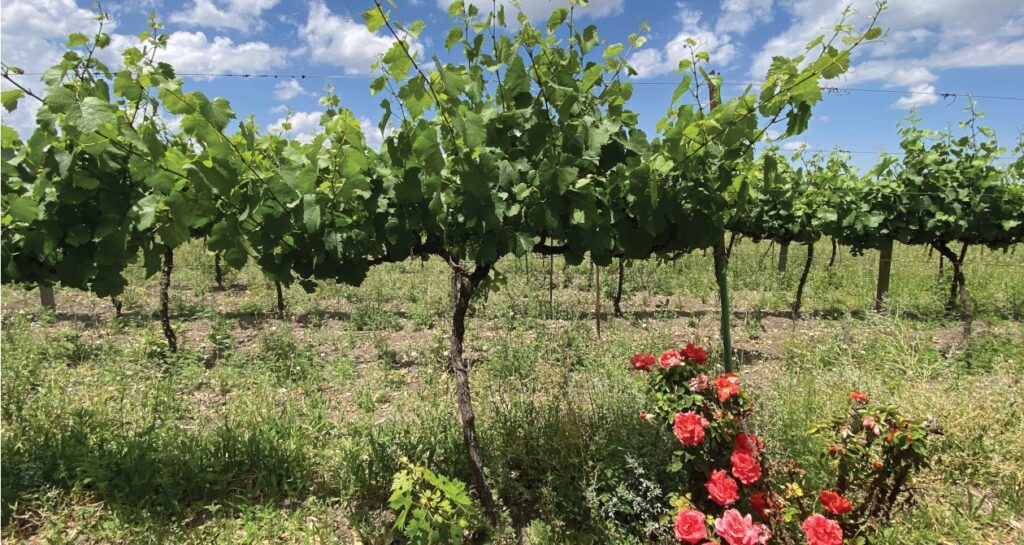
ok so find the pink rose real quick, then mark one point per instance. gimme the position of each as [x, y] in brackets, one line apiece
[691, 527]
[736, 529]
[689, 428]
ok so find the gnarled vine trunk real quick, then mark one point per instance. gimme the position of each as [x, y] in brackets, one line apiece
[803, 280]
[464, 285]
[118, 306]
[280, 299]
[966, 312]
[953, 284]
[783, 258]
[832, 258]
[218, 273]
[617, 302]
[165, 299]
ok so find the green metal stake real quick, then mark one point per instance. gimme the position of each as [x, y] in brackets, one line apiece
[721, 259]
[722, 276]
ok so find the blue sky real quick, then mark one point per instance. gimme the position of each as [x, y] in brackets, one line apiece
[930, 47]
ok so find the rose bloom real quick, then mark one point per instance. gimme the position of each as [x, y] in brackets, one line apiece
[859, 397]
[643, 362]
[871, 424]
[695, 354]
[835, 503]
[758, 502]
[748, 442]
[764, 533]
[835, 450]
[691, 527]
[728, 385]
[745, 467]
[689, 428]
[722, 488]
[700, 383]
[671, 358]
[736, 529]
[822, 531]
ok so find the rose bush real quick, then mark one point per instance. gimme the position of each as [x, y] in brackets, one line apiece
[726, 487]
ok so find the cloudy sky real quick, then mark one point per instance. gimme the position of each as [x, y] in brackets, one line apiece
[931, 47]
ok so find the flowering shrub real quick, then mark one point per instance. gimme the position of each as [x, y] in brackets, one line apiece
[727, 491]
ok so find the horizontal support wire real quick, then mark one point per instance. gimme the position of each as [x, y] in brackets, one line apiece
[836, 90]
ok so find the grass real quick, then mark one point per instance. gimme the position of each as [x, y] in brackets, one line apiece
[289, 430]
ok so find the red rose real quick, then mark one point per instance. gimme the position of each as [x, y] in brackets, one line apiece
[671, 358]
[859, 397]
[691, 527]
[695, 354]
[871, 424]
[728, 385]
[745, 467]
[689, 428]
[835, 503]
[722, 489]
[758, 503]
[822, 531]
[643, 362]
[736, 529]
[748, 442]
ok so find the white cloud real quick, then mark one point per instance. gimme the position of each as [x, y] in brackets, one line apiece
[242, 15]
[794, 145]
[535, 9]
[374, 138]
[656, 62]
[34, 31]
[922, 39]
[739, 16]
[305, 125]
[193, 52]
[922, 96]
[288, 89]
[341, 41]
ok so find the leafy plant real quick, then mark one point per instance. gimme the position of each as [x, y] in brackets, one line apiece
[430, 508]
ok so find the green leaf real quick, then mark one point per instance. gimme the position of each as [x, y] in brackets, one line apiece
[374, 19]
[456, 8]
[613, 50]
[517, 81]
[96, 113]
[23, 208]
[453, 37]
[60, 99]
[475, 132]
[310, 213]
[397, 61]
[557, 18]
[10, 99]
[426, 149]
[126, 86]
[76, 39]
[524, 244]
